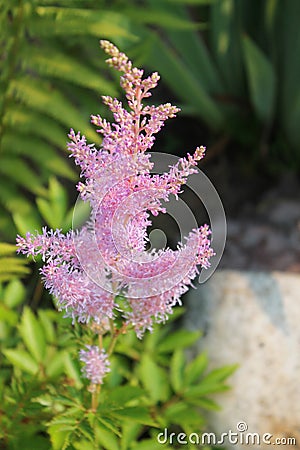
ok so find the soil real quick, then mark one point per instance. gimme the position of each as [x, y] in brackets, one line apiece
[263, 220]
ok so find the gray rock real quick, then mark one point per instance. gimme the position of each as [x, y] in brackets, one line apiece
[252, 319]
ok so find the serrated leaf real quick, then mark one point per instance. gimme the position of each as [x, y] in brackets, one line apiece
[73, 371]
[79, 21]
[27, 222]
[138, 414]
[130, 432]
[183, 414]
[52, 62]
[47, 325]
[59, 200]
[46, 212]
[33, 335]
[56, 365]
[107, 439]
[154, 379]
[9, 267]
[8, 316]
[7, 249]
[59, 437]
[176, 370]
[121, 395]
[14, 293]
[42, 97]
[261, 79]
[178, 339]
[22, 359]
[195, 368]
[28, 121]
[21, 174]
[219, 375]
[203, 389]
[111, 424]
[44, 155]
[207, 403]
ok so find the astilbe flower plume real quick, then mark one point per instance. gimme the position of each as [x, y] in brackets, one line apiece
[96, 364]
[90, 269]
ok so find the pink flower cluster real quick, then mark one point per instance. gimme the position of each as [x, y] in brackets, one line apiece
[89, 269]
[96, 364]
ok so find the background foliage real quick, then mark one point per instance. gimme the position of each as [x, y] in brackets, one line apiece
[231, 65]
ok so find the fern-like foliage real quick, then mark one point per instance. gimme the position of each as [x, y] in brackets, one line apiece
[48, 77]
[51, 78]
[10, 266]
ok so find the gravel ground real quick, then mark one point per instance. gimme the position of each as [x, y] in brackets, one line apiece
[265, 235]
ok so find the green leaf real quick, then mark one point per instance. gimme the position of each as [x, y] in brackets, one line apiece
[108, 423]
[195, 368]
[107, 439]
[78, 215]
[21, 174]
[178, 339]
[41, 96]
[138, 414]
[28, 121]
[47, 325]
[58, 198]
[130, 432]
[207, 403]
[149, 444]
[177, 367]
[73, 370]
[182, 413]
[14, 293]
[173, 69]
[121, 395]
[22, 359]
[166, 19]
[56, 365]
[7, 249]
[213, 382]
[8, 316]
[194, 392]
[45, 156]
[261, 79]
[10, 267]
[46, 212]
[224, 28]
[28, 221]
[58, 436]
[219, 375]
[154, 379]
[52, 62]
[67, 21]
[33, 335]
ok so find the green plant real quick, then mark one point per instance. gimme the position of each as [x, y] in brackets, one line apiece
[239, 74]
[49, 72]
[44, 403]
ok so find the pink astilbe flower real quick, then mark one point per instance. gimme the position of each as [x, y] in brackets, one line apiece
[96, 364]
[86, 270]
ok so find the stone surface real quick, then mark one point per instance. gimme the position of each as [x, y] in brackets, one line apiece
[252, 319]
